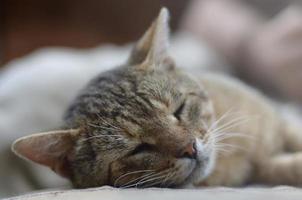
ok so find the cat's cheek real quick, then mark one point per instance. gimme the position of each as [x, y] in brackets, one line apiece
[125, 171]
[116, 171]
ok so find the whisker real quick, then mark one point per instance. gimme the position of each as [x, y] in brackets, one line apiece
[223, 151]
[116, 137]
[148, 178]
[151, 180]
[223, 145]
[138, 179]
[107, 123]
[145, 180]
[213, 128]
[219, 134]
[230, 124]
[220, 119]
[169, 179]
[155, 183]
[230, 134]
[224, 136]
[166, 179]
[130, 173]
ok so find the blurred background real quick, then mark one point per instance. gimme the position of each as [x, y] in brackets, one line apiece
[49, 50]
[31, 24]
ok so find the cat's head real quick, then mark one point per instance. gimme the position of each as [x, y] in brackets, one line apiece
[142, 124]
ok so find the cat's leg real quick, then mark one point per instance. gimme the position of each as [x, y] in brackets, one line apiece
[292, 137]
[284, 169]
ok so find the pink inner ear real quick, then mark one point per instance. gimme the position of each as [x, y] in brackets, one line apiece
[29, 149]
[50, 149]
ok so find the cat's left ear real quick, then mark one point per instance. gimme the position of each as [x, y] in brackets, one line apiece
[151, 49]
[52, 149]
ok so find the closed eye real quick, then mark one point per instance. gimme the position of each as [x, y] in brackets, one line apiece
[144, 147]
[179, 111]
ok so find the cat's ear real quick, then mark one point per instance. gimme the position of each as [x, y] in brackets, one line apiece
[51, 149]
[152, 47]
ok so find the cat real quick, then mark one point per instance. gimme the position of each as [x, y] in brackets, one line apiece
[149, 124]
[42, 109]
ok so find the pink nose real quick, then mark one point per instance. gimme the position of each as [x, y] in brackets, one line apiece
[190, 151]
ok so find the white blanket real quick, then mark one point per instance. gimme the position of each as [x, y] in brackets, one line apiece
[107, 193]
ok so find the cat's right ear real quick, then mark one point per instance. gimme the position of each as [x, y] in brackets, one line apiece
[151, 49]
[52, 149]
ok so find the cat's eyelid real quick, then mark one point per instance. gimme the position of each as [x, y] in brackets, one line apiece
[142, 147]
[177, 113]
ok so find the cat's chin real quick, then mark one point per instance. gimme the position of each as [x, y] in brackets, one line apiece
[197, 172]
[197, 175]
[203, 167]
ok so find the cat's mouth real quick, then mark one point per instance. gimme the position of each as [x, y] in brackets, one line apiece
[193, 171]
[202, 168]
[193, 175]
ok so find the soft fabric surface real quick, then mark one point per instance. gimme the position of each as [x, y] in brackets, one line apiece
[282, 192]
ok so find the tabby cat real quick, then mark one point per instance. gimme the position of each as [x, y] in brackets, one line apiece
[148, 124]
